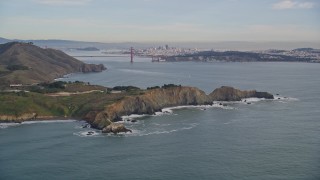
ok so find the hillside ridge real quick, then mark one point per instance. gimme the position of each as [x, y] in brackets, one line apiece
[25, 63]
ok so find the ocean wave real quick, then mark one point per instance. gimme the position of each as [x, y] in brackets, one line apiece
[48, 121]
[282, 98]
[161, 125]
[7, 125]
[139, 133]
[216, 104]
[132, 116]
[256, 100]
[169, 111]
[89, 133]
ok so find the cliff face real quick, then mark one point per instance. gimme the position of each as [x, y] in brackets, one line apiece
[149, 103]
[157, 99]
[85, 68]
[23, 63]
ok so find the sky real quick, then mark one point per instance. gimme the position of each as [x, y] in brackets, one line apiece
[161, 20]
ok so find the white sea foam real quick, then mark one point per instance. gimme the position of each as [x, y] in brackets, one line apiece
[154, 129]
[222, 105]
[252, 100]
[216, 104]
[169, 111]
[155, 132]
[6, 125]
[82, 125]
[126, 119]
[48, 121]
[133, 116]
[280, 98]
[186, 127]
[255, 100]
[161, 125]
[88, 133]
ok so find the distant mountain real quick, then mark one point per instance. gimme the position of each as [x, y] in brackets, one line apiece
[222, 45]
[238, 56]
[3, 40]
[25, 63]
[69, 44]
[88, 49]
[309, 50]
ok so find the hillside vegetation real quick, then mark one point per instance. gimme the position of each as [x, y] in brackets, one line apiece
[75, 101]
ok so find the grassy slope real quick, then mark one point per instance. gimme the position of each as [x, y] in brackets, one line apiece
[74, 106]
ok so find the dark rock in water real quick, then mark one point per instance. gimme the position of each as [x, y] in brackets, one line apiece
[245, 100]
[133, 120]
[208, 103]
[86, 126]
[248, 103]
[277, 94]
[115, 128]
[220, 104]
[279, 98]
[92, 68]
[90, 133]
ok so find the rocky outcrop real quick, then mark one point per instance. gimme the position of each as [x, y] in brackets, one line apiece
[115, 128]
[85, 68]
[156, 99]
[226, 93]
[18, 119]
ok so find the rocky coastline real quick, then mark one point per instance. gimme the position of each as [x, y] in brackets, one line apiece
[146, 102]
[156, 99]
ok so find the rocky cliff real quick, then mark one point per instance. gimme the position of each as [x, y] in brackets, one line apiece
[85, 68]
[226, 93]
[156, 99]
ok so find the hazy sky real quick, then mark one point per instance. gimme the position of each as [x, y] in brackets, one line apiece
[161, 20]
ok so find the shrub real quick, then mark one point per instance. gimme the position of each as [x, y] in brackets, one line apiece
[154, 87]
[125, 88]
[17, 67]
[165, 86]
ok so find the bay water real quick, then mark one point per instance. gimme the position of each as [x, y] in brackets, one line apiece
[267, 139]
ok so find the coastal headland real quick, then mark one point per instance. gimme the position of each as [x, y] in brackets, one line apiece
[27, 64]
[101, 107]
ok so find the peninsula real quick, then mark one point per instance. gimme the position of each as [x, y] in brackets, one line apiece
[101, 107]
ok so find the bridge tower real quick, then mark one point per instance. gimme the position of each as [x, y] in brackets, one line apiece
[131, 53]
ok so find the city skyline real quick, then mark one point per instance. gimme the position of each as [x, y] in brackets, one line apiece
[155, 20]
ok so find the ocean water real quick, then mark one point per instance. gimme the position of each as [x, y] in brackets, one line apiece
[267, 139]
